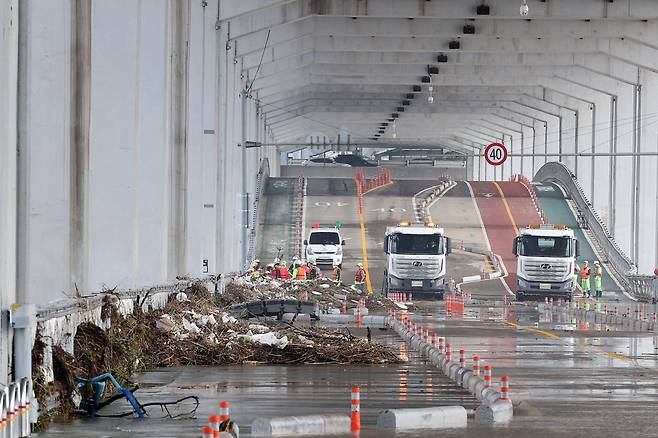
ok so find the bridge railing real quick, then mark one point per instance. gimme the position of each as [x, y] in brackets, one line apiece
[261, 183]
[642, 287]
[617, 260]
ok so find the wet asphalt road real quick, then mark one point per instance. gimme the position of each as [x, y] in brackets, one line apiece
[564, 382]
[568, 378]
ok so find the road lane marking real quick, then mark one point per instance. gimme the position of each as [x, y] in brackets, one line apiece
[509, 212]
[379, 187]
[532, 329]
[488, 264]
[364, 251]
[581, 345]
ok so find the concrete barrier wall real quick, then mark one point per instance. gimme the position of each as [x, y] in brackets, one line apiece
[301, 426]
[443, 417]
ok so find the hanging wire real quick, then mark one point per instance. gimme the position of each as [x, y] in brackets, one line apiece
[260, 63]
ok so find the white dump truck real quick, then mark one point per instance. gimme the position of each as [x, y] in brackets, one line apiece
[546, 255]
[415, 260]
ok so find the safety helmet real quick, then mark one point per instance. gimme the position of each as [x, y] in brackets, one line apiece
[283, 262]
[360, 265]
[297, 262]
[586, 262]
[311, 262]
[597, 262]
[256, 261]
[270, 265]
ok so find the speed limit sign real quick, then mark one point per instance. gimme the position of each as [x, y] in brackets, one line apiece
[495, 154]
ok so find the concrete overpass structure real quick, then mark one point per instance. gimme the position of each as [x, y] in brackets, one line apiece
[122, 123]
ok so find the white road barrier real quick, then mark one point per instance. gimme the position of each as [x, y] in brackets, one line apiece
[303, 425]
[443, 417]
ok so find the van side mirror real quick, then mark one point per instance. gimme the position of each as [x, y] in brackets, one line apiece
[386, 240]
[342, 243]
[305, 242]
[577, 244]
[515, 246]
[448, 244]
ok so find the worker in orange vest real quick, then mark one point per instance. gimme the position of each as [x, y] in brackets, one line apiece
[584, 280]
[299, 273]
[360, 277]
[336, 273]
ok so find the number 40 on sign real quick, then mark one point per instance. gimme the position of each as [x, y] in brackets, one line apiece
[495, 154]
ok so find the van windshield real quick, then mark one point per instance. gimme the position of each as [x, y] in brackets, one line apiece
[324, 238]
[536, 246]
[416, 244]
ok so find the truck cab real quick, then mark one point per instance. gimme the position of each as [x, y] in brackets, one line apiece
[546, 255]
[415, 260]
[324, 245]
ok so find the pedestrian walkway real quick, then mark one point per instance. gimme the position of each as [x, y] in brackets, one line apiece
[557, 211]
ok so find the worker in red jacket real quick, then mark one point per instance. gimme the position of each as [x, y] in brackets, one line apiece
[284, 273]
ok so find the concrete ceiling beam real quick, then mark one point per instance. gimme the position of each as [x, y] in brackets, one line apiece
[258, 15]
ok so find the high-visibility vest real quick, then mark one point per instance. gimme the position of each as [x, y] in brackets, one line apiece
[360, 276]
[299, 273]
[335, 274]
[584, 273]
[598, 271]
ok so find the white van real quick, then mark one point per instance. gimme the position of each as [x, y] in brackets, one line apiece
[324, 246]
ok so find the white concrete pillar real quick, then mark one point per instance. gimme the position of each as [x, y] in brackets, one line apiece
[646, 220]
[44, 143]
[9, 25]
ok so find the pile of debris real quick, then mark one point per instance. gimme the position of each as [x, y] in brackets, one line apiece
[192, 329]
[330, 296]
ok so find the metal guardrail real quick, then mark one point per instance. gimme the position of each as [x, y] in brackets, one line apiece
[70, 305]
[617, 260]
[15, 409]
[298, 216]
[642, 287]
[261, 183]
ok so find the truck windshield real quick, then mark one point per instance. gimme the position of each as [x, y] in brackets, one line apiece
[417, 244]
[536, 246]
[324, 238]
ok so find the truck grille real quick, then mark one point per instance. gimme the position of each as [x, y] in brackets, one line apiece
[427, 269]
[545, 271]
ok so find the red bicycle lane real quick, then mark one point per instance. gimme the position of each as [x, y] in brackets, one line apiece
[504, 208]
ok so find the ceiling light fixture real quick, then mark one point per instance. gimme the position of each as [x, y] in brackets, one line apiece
[430, 98]
[524, 10]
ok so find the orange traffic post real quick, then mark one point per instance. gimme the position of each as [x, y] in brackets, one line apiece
[356, 409]
[462, 359]
[214, 421]
[207, 432]
[487, 376]
[224, 410]
[504, 388]
[476, 366]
